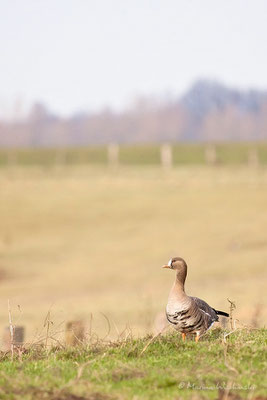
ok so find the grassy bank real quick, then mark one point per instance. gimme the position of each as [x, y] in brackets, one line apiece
[168, 369]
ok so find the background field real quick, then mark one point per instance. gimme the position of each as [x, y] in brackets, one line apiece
[81, 240]
[183, 154]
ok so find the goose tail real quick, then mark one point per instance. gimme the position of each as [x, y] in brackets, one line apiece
[225, 314]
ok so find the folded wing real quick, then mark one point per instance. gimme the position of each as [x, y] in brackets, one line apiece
[208, 310]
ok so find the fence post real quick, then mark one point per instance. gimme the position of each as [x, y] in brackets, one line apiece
[166, 155]
[113, 154]
[211, 154]
[18, 337]
[60, 158]
[75, 333]
[253, 158]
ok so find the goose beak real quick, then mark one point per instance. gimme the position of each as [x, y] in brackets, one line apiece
[165, 266]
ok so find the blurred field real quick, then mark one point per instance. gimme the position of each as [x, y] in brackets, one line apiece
[81, 240]
[183, 154]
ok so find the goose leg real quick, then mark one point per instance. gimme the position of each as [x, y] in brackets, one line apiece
[197, 337]
[183, 336]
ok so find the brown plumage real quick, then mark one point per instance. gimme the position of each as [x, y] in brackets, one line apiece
[188, 314]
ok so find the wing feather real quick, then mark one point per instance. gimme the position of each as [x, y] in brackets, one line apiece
[203, 306]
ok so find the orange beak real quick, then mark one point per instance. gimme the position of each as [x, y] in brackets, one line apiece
[165, 266]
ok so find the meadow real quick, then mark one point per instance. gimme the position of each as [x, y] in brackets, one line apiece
[218, 367]
[88, 241]
[85, 241]
[145, 154]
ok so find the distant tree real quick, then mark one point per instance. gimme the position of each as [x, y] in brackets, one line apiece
[209, 111]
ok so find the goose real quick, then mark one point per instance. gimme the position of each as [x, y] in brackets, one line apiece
[189, 315]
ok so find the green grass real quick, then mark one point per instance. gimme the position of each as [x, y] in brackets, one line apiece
[168, 369]
[51, 157]
[183, 154]
[139, 155]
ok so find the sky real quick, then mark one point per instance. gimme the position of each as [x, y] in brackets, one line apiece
[85, 55]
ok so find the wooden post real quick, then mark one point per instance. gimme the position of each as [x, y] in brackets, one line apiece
[253, 158]
[75, 333]
[160, 322]
[113, 155]
[18, 337]
[166, 156]
[224, 322]
[211, 154]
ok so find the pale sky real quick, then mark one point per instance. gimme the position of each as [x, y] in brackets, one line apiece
[87, 54]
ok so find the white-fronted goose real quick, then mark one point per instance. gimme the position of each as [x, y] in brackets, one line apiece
[188, 314]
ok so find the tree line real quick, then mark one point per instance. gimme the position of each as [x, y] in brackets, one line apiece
[208, 112]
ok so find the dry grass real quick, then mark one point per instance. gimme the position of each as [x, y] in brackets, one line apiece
[88, 240]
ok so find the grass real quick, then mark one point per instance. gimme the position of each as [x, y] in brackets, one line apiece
[183, 154]
[168, 369]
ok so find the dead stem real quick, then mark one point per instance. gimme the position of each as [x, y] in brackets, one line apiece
[47, 323]
[11, 328]
[152, 339]
[232, 308]
[230, 367]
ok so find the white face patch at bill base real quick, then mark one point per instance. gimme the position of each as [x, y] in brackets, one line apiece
[170, 263]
